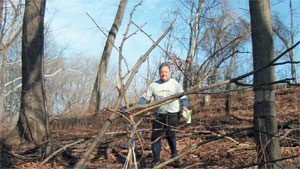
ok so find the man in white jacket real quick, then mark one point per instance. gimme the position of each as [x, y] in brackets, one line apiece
[165, 116]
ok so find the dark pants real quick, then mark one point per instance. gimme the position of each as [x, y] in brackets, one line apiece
[163, 123]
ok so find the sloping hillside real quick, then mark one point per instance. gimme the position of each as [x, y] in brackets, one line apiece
[219, 140]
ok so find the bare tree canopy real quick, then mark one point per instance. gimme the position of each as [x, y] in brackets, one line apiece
[63, 106]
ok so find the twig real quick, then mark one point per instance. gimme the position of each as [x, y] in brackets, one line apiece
[111, 110]
[233, 140]
[196, 146]
[59, 150]
[125, 37]
[103, 32]
[193, 165]
[282, 63]
[242, 147]
[286, 133]
[59, 70]
[22, 157]
[12, 81]
[141, 60]
[266, 66]
[255, 164]
[285, 81]
[124, 132]
[149, 36]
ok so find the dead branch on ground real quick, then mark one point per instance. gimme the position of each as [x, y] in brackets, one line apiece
[273, 161]
[60, 150]
[194, 147]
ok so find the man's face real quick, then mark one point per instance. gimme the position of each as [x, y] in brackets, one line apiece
[164, 73]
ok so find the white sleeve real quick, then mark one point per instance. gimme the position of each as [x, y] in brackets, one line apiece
[149, 93]
[180, 90]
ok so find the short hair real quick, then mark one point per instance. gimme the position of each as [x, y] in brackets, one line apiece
[164, 65]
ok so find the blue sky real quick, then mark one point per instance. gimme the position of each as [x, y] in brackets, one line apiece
[72, 27]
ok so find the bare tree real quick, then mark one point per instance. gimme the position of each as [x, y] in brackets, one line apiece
[97, 89]
[193, 42]
[10, 29]
[282, 32]
[32, 122]
[265, 118]
[214, 35]
[292, 41]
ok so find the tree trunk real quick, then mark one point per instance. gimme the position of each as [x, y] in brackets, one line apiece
[265, 118]
[291, 53]
[193, 45]
[2, 82]
[228, 75]
[1, 20]
[3, 66]
[32, 124]
[228, 102]
[292, 56]
[94, 105]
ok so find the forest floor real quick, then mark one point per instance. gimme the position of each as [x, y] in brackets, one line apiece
[219, 140]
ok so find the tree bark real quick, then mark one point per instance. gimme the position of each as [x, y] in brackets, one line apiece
[265, 118]
[3, 66]
[6, 40]
[228, 75]
[1, 20]
[2, 82]
[32, 124]
[94, 105]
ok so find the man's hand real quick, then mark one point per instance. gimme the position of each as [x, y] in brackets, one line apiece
[142, 101]
[184, 102]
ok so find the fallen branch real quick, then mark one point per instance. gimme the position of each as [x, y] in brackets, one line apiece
[288, 132]
[193, 165]
[60, 150]
[242, 147]
[196, 146]
[242, 118]
[287, 124]
[22, 157]
[255, 164]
